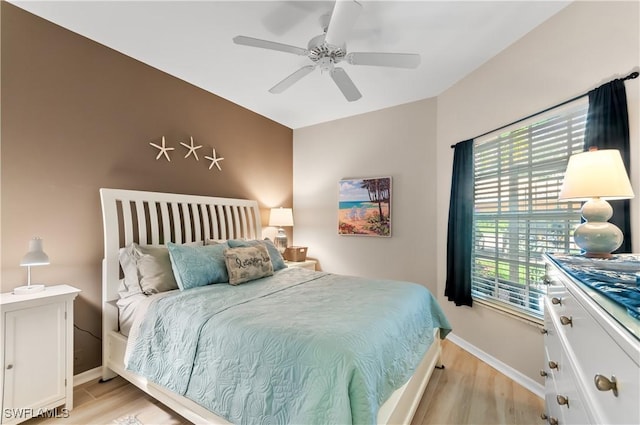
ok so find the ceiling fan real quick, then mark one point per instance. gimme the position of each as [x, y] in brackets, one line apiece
[328, 49]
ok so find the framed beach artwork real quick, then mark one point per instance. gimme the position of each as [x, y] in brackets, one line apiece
[364, 207]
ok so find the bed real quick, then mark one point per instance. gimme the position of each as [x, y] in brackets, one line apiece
[151, 218]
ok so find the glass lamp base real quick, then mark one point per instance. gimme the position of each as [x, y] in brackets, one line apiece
[280, 241]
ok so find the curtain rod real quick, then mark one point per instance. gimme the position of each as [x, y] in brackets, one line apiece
[631, 76]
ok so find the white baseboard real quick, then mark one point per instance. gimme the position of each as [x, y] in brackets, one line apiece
[87, 375]
[504, 368]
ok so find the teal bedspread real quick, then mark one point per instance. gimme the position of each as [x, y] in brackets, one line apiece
[299, 347]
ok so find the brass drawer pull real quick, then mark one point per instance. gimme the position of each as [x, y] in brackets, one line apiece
[562, 400]
[543, 331]
[556, 301]
[566, 320]
[543, 416]
[606, 384]
[543, 372]
[553, 421]
[546, 280]
[553, 365]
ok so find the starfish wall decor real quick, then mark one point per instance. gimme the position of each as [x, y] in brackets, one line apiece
[192, 149]
[214, 160]
[164, 150]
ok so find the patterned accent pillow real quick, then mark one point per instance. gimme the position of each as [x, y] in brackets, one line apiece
[198, 266]
[274, 254]
[247, 263]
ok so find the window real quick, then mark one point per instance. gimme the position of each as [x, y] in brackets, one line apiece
[517, 215]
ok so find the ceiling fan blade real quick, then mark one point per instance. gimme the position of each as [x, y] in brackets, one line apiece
[291, 79]
[344, 16]
[397, 60]
[344, 83]
[271, 45]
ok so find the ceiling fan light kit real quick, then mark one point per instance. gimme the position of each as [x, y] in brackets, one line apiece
[328, 49]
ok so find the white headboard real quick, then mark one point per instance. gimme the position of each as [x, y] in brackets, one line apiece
[156, 218]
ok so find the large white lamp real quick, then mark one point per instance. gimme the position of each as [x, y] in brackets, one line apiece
[35, 257]
[281, 217]
[595, 176]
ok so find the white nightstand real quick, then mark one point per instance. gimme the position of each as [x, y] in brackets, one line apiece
[307, 264]
[37, 352]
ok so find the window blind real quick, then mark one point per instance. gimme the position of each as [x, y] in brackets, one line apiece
[517, 215]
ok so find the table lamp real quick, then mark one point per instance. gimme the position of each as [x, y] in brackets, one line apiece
[595, 176]
[35, 257]
[281, 217]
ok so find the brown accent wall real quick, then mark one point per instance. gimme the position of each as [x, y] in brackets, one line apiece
[78, 116]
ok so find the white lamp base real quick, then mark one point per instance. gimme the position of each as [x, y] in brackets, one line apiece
[597, 237]
[30, 289]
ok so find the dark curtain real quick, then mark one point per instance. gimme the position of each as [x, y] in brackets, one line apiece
[608, 128]
[460, 228]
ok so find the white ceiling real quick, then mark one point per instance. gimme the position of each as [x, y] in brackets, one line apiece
[192, 40]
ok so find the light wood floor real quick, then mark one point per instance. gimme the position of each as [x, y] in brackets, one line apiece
[467, 391]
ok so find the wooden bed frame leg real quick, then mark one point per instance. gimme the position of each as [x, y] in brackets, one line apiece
[439, 364]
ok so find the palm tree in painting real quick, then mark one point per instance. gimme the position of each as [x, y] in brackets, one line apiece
[379, 192]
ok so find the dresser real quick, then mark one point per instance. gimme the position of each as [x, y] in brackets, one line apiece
[592, 349]
[37, 353]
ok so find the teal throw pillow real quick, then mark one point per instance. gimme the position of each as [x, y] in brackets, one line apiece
[199, 265]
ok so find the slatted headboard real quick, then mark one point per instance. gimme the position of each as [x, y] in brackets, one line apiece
[156, 218]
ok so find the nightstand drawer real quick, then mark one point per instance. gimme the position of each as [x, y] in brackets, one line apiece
[307, 264]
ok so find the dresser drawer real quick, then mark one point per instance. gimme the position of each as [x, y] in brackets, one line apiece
[561, 382]
[567, 388]
[552, 347]
[561, 385]
[593, 352]
[552, 410]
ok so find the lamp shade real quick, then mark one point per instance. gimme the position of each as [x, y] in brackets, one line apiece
[280, 217]
[35, 256]
[596, 174]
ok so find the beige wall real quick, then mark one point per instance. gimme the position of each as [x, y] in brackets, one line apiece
[585, 45]
[77, 116]
[582, 47]
[397, 142]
